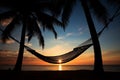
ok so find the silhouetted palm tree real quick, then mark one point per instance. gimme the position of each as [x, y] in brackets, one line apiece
[100, 12]
[30, 15]
[64, 7]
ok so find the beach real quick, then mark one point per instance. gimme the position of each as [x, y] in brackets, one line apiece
[58, 75]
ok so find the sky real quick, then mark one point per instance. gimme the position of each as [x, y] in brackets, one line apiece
[75, 33]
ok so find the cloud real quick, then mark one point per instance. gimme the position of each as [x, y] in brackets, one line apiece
[10, 41]
[26, 37]
[28, 44]
[5, 22]
[7, 53]
[60, 38]
[67, 35]
[111, 57]
[8, 57]
[80, 33]
[81, 30]
[112, 53]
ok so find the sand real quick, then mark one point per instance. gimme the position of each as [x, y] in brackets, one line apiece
[58, 75]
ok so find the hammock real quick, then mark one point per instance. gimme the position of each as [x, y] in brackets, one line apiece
[64, 57]
[75, 52]
[70, 55]
[61, 58]
[67, 56]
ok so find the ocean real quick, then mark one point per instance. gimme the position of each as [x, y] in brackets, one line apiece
[113, 68]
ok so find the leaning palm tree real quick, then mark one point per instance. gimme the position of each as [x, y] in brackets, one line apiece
[30, 16]
[100, 12]
[102, 15]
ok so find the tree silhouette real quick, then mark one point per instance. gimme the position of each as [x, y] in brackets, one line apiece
[30, 15]
[98, 65]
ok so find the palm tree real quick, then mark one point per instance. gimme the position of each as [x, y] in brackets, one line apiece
[30, 15]
[98, 65]
[100, 12]
[65, 7]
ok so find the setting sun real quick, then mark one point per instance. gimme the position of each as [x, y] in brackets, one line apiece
[60, 61]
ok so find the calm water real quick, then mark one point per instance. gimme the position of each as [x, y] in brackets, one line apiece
[63, 67]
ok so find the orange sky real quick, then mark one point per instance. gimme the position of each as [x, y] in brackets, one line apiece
[87, 58]
[76, 32]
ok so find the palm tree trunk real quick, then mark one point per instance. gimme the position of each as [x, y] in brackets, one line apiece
[98, 65]
[18, 65]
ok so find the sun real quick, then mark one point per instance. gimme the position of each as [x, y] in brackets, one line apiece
[59, 61]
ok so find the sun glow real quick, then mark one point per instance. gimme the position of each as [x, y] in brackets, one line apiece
[59, 61]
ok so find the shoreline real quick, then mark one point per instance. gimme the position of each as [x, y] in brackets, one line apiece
[61, 75]
[111, 68]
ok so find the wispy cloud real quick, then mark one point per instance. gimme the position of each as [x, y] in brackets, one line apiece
[5, 22]
[111, 57]
[112, 53]
[26, 37]
[8, 57]
[69, 34]
[8, 53]
[61, 37]
[28, 44]
[65, 36]
[10, 41]
[81, 30]
[78, 32]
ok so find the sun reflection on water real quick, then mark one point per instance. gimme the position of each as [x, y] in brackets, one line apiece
[60, 67]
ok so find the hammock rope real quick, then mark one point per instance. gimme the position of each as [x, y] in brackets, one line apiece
[70, 55]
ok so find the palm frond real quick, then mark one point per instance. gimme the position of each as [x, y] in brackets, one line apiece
[51, 28]
[30, 28]
[67, 10]
[43, 16]
[33, 29]
[30, 34]
[56, 7]
[7, 15]
[39, 34]
[47, 19]
[99, 10]
[9, 28]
